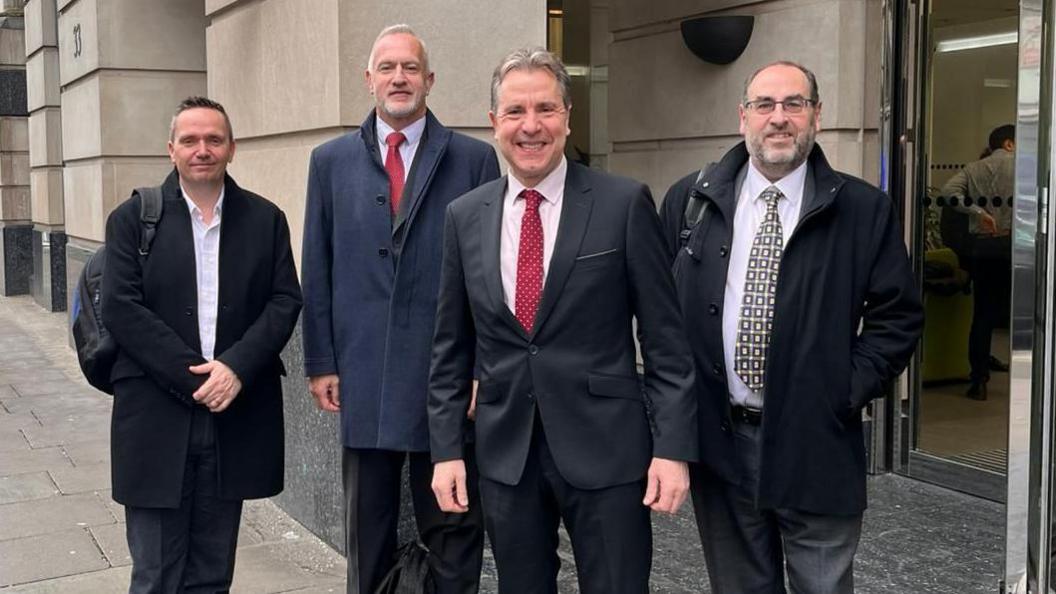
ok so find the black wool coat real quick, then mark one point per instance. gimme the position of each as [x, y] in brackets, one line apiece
[150, 307]
[846, 321]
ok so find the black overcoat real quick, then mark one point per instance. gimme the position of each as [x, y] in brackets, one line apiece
[150, 306]
[846, 320]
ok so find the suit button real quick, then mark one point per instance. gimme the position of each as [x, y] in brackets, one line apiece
[383, 252]
[533, 350]
[189, 311]
[723, 251]
[531, 396]
[379, 200]
[713, 309]
[717, 369]
[725, 426]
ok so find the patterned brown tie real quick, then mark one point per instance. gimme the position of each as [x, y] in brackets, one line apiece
[757, 305]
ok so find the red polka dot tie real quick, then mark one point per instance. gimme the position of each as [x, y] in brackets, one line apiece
[529, 261]
[394, 167]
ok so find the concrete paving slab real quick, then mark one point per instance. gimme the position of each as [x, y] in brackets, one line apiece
[88, 453]
[82, 479]
[70, 429]
[279, 567]
[43, 516]
[108, 580]
[26, 487]
[7, 392]
[112, 540]
[17, 420]
[45, 386]
[13, 440]
[53, 407]
[47, 556]
[34, 461]
[336, 586]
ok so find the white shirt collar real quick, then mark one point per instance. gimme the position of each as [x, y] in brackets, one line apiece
[193, 208]
[791, 185]
[552, 187]
[412, 132]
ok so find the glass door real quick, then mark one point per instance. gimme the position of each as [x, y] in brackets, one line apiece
[962, 192]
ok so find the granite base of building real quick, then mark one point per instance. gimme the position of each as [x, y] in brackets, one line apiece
[16, 259]
[48, 280]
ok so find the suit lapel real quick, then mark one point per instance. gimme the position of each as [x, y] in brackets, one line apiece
[491, 248]
[575, 214]
[433, 145]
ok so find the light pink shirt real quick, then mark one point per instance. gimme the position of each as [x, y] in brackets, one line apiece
[553, 190]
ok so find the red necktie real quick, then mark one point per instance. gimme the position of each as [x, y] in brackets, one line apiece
[394, 167]
[529, 261]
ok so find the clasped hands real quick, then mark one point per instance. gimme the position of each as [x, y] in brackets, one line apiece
[219, 389]
[666, 487]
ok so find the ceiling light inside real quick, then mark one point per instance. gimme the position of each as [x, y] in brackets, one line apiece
[976, 42]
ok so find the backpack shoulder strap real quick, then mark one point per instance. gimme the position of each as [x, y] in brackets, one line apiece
[696, 205]
[150, 206]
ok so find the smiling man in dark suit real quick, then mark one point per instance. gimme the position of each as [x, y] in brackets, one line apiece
[371, 267]
[544, 273]
[200, 322]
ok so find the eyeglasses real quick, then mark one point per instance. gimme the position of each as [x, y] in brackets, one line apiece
[791, 106]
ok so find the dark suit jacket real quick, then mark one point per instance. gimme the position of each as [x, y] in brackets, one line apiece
[847, 316]
[370, 286]
[577, 367]
[151, 309]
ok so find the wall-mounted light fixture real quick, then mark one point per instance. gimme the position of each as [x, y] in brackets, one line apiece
[718, 39]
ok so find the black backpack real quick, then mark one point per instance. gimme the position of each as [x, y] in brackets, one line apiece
[695, 207]
[96, 349]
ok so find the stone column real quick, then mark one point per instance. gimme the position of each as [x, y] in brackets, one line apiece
[291, 76]
[48, 281]
[124, 65]
[15, 228]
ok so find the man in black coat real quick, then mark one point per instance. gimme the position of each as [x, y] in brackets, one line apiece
[801, 307]
[544, 272]
[200, 321]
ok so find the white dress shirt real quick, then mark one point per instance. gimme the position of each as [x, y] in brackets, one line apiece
[207, 265]
[553, 190]
[412, 133]
[747, 217]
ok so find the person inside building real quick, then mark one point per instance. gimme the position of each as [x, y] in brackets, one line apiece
[371, 267]
[801, 307]
[983, 191]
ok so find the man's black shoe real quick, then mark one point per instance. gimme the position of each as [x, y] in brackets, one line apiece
[977, 391]
[996, 364]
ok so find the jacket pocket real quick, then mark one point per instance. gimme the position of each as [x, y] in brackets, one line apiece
[614, 386]
[125, 368]
[598, 259]
[488, 392]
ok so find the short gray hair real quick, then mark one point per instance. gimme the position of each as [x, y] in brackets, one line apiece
[811, 79]
[531, 58]
[397, 29]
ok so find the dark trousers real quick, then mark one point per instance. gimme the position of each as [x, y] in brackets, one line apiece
[748, 550]
[372, 481]
[991, 269]
[190, 548]
[610, 530]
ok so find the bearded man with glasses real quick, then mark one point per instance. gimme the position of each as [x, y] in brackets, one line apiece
[800, 307]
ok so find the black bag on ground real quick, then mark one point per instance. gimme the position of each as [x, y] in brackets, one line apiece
[96, 349]
[411, 574]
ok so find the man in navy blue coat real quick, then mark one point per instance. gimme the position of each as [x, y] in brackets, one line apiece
[371, 269]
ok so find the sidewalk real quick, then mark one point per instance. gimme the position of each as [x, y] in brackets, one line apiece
[59, 529]
[61, 533]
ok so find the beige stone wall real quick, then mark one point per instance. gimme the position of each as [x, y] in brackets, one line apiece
[14, 145]
[669, 112]
[290, 73]
[123, 67]
[45, 118]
